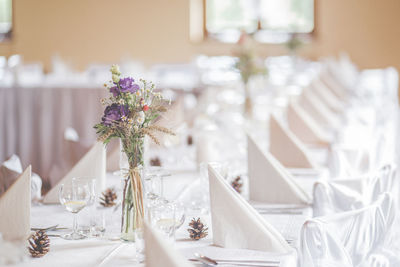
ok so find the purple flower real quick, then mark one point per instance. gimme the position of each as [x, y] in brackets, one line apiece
[114, 90]
[126, 85]
[114, 113]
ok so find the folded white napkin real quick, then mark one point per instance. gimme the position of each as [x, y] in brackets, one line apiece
[207, 148]
[269, 181]
[10, 170]
[15, 208]
[173, 119]
[93, 164]
[318, 110]
[236, 224]
[73, 149]
[304, 126]
[334, 85]
[113, 156]
[286, 147]
[326, 96]
[159, 253]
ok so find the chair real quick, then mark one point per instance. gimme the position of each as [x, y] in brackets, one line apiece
[349, 194]
[348, 238]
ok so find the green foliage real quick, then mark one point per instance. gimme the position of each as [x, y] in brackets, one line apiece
[248, 65]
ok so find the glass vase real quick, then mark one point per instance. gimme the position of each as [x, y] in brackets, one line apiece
[248, 105]
[133, 193]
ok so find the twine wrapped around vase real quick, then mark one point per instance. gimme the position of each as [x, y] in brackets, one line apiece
[137, 192]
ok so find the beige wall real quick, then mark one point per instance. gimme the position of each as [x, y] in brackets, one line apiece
[367, 29]
[84, 31]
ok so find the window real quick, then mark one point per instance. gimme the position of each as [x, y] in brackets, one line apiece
[5, 18]
[268, 20]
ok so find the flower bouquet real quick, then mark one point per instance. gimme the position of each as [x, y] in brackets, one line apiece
[130, 111]
[248, 66]
[294, 43]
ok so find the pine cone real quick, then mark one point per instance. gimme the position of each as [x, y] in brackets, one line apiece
[237, 184]
[155, 162]
[39, 244]
[198, 230]
[108, 198]
[189, 140]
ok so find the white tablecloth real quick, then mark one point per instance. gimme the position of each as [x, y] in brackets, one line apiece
[95, 251]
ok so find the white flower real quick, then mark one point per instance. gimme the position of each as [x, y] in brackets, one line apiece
[108, 84]
[115, 78]
[157, 95]
[138, 93]
[124, 118]
[115, 70]
[140, 118]
[136, 128]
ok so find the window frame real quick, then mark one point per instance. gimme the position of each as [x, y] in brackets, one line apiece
[7, 36]
[308, 35]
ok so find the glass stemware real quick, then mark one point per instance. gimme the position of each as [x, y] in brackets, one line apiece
[86, 217]
[96, 218]
[139, 245]
[154, 182]
[180, 214]
[74, 197]
[163, 218]
[167, 216]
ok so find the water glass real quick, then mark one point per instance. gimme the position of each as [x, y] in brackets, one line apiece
[86, 216]
[163, 217]
[139, 245]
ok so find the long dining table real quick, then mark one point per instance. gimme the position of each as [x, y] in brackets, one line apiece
[109, 250]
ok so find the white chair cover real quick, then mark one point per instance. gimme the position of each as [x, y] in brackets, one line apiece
[349, 194]
[347, 238]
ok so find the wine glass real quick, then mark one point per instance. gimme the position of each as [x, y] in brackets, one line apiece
[154, 182]
[74, 196]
